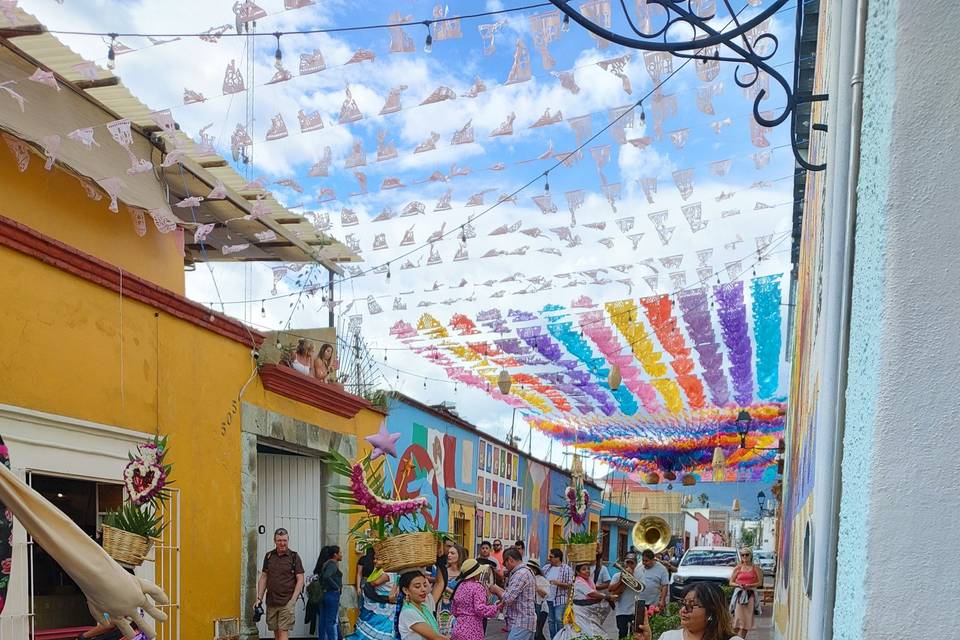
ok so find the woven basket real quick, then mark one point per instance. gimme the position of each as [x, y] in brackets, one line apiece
[406, 551]
[126, 548]
[580, 553]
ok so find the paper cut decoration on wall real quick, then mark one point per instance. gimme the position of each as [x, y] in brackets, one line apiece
[51, 150]
[694, 215]
[312, 62]
[720, 167]
[684, 181]
[163, 219]
[400, 41]
[547, 119]
[506, 127]
[487, 35]
[280, 75]
[440, 94]
[443, 28]
[758, 133]
[679, 137]
[232, 79]
[545, 28]
[392, 105]
[718, 125]
[520, 70]
[617, 66]
[265, 236]
[357, 157]
[189, 202]
[349, 111]
[761, 159]
[567, 81]
[138, 216]
[192, 97]
[386, 149]
[19, 149]
[200, 233]
[443, 204]
[598, 12]
[361, 55]
[545, 203]
[278, 128]
[227, 249]
[464, 135]
[476, 88]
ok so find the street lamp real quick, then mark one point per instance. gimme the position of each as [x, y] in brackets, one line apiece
[743, 427]
[761, 500]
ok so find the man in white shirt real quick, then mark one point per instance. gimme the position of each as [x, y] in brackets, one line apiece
[627, 597]
[655, 580]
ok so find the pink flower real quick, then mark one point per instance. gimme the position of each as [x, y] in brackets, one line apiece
[5, 567]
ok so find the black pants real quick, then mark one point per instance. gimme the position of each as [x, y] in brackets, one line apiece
[623, 625]
[541, 620]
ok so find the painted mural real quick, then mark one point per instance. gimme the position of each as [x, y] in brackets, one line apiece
[513, 493]
[791, 604]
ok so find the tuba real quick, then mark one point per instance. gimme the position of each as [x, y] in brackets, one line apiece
[651, 532]
[628, 579]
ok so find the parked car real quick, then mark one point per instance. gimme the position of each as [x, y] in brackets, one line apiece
[703, 564]
[767, 561]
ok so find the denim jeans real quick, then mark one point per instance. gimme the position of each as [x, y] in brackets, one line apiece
[520, 634]
[554, 617]
[329, 628]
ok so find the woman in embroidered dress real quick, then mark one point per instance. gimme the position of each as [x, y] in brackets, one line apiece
[590, 608]
[415, 619]
[379, 590]
[470, 605]
[448, 577]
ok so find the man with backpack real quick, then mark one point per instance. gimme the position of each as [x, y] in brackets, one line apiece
[281, 579]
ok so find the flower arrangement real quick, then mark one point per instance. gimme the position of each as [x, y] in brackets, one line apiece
[578, 502]
[382, 515]
[146, 475]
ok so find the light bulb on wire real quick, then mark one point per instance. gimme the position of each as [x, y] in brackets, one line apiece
[112, 53]
[565, 25]
[546, 183]
[428, 43]
[278, 54]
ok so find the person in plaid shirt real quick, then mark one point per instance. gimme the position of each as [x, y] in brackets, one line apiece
[518, 597]
[560, 576]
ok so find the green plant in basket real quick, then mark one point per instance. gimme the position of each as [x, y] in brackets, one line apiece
[580, 537]
[142, 521]
[381, 516]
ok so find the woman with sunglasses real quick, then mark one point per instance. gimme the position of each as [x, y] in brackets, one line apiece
[745, 580]
[703, 615]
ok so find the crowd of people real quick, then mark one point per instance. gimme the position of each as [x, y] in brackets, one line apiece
[457, 597]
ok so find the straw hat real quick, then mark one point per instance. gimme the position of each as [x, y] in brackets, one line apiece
[470, 568]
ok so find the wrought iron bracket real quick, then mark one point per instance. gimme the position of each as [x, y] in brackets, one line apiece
[738, 43]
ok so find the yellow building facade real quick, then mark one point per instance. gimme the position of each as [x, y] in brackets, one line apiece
[100, 352]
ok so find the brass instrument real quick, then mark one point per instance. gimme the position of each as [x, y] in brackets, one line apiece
[628, 579]
[651, 532]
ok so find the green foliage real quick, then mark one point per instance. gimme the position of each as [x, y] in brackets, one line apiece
[665, 622]
[580, 537]
[377, 398]
[704, 499]
[748, 537]
[142, 521]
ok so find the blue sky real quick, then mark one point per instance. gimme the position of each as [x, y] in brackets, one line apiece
[158, 75]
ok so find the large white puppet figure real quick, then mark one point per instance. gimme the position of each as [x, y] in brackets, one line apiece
[113, 594]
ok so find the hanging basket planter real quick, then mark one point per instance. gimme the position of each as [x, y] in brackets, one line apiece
[669, 476]
[652, 478]
[128, 549]
[581, 553]
[689, 481]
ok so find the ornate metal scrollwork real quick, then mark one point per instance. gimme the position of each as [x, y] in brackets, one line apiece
[743, 44]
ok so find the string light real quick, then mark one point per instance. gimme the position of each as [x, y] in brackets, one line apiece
[546, 183]
[428, 43]
[263, 309]
[643, 114]
[112, 53]
[388, 272]
[565, 25]
[278, 54]
[463, 234]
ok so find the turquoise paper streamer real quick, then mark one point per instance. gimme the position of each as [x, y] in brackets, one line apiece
[766, 333]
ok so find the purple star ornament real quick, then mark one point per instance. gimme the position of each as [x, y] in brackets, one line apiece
[383, 442]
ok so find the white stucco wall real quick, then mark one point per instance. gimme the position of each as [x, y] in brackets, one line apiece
[901, 452]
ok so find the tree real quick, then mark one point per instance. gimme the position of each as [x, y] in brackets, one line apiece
[704, 499]
[748, 537]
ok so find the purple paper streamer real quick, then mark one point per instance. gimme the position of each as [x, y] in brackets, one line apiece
[696, 316]
[736, 337]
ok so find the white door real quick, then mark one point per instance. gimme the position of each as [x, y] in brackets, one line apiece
[289, 496]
